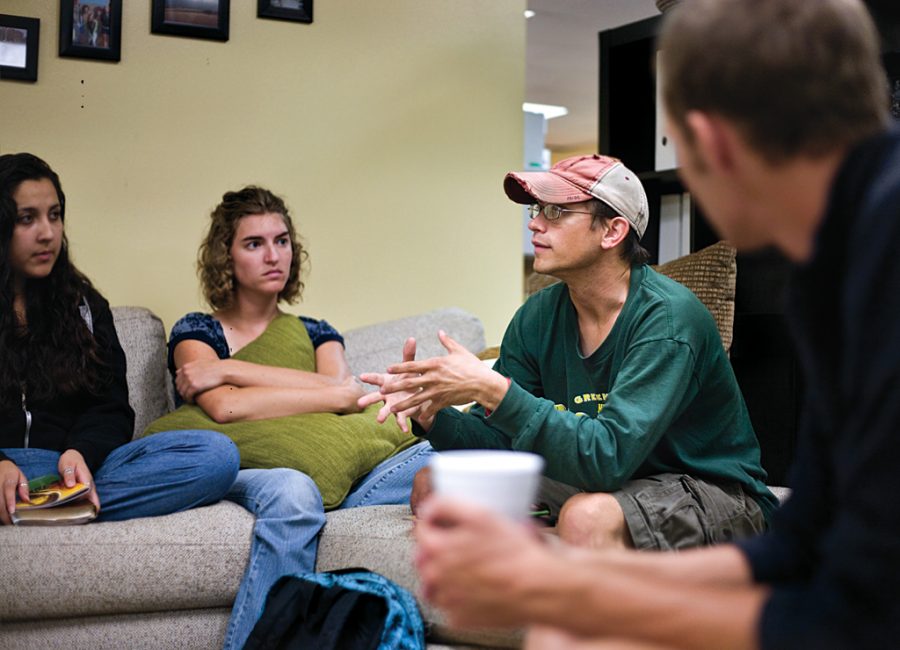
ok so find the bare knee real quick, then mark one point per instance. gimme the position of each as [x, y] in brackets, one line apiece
[595, 520]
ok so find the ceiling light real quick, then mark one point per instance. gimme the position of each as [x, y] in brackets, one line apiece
[549, 111]
[529, 13]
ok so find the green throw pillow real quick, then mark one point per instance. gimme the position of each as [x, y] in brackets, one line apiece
[333, 450]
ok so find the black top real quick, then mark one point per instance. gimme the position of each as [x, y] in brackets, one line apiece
[833, 552]
[91, 424]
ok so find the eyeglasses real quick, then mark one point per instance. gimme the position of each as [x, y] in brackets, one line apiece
[551, 212]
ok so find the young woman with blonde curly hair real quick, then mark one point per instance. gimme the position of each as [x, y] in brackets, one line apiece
[249, 262]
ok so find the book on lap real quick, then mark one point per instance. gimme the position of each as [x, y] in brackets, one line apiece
[51, 503]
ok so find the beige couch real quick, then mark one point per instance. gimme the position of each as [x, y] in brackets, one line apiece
[169, 582]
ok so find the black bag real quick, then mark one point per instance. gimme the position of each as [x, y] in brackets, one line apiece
[350, 609]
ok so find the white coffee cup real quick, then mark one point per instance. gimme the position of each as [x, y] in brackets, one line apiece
[503, 481]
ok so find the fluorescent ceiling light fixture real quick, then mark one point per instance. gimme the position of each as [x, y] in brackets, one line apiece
[549, 111]
[529, 13]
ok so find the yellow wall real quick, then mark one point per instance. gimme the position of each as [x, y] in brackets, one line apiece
[561, 154]
[387, 127]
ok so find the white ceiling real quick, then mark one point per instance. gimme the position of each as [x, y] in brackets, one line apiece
[562, 61]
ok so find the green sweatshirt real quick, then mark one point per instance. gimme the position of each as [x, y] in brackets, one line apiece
[658, 395]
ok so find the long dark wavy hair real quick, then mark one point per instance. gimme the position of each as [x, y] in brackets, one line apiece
[53, 353]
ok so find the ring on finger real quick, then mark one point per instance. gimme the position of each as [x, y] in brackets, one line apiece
[68, 470]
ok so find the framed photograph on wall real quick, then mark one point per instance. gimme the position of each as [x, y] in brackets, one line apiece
[90, 29]
[194, 18]
[300, 11]
[19, 37]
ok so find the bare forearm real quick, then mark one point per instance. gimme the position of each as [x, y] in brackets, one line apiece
[715, 566]
[238, 404]
[706, 601]
[245, 374]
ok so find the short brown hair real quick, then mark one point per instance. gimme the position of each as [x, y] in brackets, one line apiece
[214, 263]
[798, 77]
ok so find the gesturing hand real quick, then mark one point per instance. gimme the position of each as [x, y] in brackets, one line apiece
[12, 481]
[391, 397]
[439, 382]
[73, 469]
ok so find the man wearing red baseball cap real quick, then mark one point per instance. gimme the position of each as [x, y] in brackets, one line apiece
[617, 376]
[781, 117]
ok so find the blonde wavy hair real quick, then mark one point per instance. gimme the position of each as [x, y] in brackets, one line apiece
[215, 267]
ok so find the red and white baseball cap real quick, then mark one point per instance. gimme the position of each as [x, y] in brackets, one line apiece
[583, 178]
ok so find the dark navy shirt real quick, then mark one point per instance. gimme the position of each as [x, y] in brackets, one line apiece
[832, 555]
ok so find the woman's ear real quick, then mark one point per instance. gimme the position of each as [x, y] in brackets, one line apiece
[616, 232]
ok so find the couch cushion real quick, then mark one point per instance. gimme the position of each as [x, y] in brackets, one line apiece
[194, 629]
[187, 560]
[710, 273]
[374, 347]
[333, 450]
[143, 338]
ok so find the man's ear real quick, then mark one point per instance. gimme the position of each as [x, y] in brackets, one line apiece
[712, 140]
[616, 231]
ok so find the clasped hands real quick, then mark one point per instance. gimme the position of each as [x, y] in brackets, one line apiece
[419, 389]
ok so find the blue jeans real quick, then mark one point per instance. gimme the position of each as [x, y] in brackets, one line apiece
[289, 516]
[157, 475]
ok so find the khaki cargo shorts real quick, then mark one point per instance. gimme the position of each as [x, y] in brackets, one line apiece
[674, 511]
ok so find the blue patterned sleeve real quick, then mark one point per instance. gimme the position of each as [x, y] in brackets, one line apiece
[320, 331]
[197, 326]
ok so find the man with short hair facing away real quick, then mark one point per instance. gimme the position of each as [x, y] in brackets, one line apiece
[778, 109]
[617, 376]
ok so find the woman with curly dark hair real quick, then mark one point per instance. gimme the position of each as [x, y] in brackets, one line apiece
[281, 388]
[63, 395]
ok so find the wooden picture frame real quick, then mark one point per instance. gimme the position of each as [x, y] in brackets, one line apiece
[19, 39]
[300, 11]
[91, 29]
[192, 18]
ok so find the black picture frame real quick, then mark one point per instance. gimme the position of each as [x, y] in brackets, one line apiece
[300, 11]
[16, 31]
[192, 18]
[91, 30]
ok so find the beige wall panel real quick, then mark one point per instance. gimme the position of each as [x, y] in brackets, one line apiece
[387, 127]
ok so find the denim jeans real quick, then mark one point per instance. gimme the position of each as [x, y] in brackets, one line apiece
[289, 516]
[157, 475]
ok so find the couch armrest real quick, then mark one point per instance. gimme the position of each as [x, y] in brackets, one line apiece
[143, 338]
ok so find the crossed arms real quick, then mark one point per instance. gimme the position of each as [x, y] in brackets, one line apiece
[229, 390]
